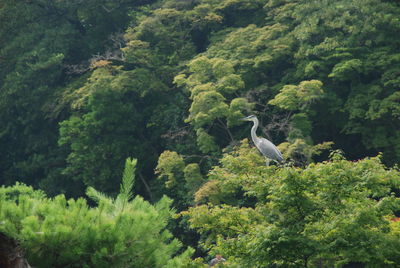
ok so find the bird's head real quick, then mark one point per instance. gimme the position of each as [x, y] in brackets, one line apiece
[249, 118]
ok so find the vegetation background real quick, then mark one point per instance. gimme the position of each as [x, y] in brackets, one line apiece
[85, 86]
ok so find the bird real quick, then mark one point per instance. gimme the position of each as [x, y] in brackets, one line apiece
[266, 148]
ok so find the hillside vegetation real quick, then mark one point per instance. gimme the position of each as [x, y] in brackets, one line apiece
[85, 86]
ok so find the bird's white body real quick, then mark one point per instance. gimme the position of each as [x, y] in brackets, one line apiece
[267, 148]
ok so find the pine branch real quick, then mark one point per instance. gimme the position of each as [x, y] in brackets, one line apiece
[128, 180]
[98, 196]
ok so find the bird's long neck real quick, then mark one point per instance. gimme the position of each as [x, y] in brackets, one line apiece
[254, 129]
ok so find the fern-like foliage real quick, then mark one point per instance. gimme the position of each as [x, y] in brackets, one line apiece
[128, 181]
[99, 197]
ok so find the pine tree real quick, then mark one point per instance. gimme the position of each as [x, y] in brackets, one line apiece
[123, 232]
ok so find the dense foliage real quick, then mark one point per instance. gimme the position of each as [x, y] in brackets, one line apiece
[86, 84]
[325, 215]
[68, 233]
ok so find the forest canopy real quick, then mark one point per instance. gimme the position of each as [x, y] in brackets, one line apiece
[87, 86]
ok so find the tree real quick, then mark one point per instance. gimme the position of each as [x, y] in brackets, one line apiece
[181, 180]
[40, 40]
[297, 100]
[105, 129]
[296, 42]
[119, 232]
[335, 212]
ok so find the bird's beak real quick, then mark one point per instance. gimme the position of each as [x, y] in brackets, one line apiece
[245, 118]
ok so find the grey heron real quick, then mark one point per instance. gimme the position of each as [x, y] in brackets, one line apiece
[267, 148]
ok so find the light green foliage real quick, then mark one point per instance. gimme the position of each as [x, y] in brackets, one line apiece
[125, 195]
[118, 233]
[222, 221]
[299, 97]
[193, 178]
[205, 141]
[345, 70]
[197, 263]
[287, 99]
[335, 212]
[245, 160]
[254, 50]
[320, 41]
[181, 180]
[128, 180]
[170, 165]
[236, 111]
[300, 151]
[211, 84]
[207, 106]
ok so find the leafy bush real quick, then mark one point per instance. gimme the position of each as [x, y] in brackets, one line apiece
[330, 213]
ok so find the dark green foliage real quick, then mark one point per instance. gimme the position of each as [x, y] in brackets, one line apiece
[40, 39]
[232, 57]
[85, 84]
[97, 139]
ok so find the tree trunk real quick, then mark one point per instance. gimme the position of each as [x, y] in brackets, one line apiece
[11, 255]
